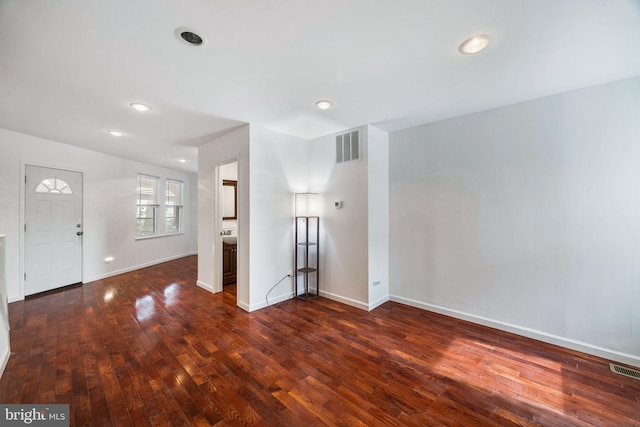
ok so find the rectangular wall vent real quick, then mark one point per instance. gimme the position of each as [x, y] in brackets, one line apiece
[631, 373]
[348, 147]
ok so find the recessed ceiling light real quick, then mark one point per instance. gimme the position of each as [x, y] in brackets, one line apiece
[474, 44]
[190, 36]
[140, 107]
[324, 104]
[183, 160]
[115, 133]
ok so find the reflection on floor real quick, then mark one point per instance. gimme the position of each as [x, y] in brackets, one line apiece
[151, 348]
[230, 293]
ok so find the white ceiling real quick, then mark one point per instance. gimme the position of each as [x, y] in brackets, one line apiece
[69, 68]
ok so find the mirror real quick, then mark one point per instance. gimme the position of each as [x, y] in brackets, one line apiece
[229, 199]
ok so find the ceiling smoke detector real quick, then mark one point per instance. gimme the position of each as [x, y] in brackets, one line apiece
[190, 36]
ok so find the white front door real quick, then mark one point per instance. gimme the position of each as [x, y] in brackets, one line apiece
[53, 229]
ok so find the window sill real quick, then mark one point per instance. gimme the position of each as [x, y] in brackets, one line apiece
[156, 236]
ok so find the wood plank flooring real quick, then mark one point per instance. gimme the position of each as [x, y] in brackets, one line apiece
[149, 348]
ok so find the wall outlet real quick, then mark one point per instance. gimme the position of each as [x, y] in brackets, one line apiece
[376, 282]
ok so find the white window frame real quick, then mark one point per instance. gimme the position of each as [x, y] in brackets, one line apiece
[175, 205]
[54, 185]
[154, 205]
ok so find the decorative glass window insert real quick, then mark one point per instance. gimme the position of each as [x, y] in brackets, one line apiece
[53, 186]
[147, 204]
[173, 206]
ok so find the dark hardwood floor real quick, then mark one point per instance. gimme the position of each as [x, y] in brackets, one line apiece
[151, 348]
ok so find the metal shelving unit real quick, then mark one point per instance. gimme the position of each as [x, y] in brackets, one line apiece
[307, 257]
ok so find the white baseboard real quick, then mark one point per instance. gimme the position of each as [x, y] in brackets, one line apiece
[353, 303]
[135, 267]
[279, 298]
[378, 303]
[583, 347]
[5, 360]
[116, 272]
[204, 286]
[272, 301]
[209, 288]
[243, 305]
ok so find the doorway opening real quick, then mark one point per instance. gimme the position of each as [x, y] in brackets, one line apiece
[228, 220]
[52, 229]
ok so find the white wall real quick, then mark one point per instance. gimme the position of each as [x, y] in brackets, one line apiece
[274, 166]
[378, 214]
[5, 348]
[278, 170]
[344, 266]
[193, 213]
[108, 208]
[229, 171]
[526, 218]
[271, 167]
[229, 147]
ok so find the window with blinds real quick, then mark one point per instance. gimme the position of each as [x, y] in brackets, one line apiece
[146, 218]
[173, 206]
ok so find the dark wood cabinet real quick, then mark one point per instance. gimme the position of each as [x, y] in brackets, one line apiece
[229, 263]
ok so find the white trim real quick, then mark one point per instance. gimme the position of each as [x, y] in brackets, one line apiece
[157, 236]
[135, 267]
[22, 219]
[243, 305]
[5, 324]
[272, 301]
[5, 360]
[218, 284]
[278, 299]
[614, 355]
[205, 286]
[345, 300]
[373, 306]
[127, 270]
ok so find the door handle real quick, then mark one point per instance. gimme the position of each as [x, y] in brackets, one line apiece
[80, 233]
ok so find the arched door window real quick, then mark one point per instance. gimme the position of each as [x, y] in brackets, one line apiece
[53, 186]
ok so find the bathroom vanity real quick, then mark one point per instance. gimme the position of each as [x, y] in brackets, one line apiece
[229, 260]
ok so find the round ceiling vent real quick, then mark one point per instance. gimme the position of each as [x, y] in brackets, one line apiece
[190, 36]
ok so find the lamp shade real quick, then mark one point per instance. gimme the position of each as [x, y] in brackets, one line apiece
[307, 204]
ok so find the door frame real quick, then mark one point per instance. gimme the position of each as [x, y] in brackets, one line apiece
[23, 213]
[218, 226]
